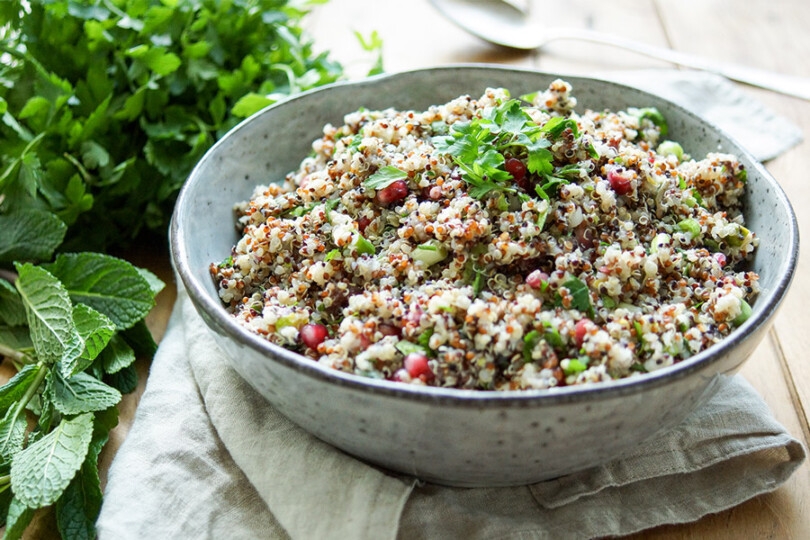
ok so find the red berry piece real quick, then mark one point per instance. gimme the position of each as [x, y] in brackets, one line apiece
[619, 183]
[581, 330]
[398, 190]
[416, 364]
[536, 279]
[389, 330]
[313, 335]
[516, 168]
[362, 223]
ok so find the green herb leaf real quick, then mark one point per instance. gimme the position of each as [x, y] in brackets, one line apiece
[125, 381]
[12, 311]
[384, 178]
[12, 433]
[155, 283]
[30, 234]
[50, 315]
[117, 356]
[41, 472]
[81, 393]
[15, 388]
[95, 330]
[109, 285]
[18, 518]
[580, 295]
[140, 339]
[331, 255]
[557, 124]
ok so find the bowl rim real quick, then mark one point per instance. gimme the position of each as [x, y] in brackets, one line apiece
[216, 314]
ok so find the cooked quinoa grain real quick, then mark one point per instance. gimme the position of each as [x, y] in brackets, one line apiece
[495, 244]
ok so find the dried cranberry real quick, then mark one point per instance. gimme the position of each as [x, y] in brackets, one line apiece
[619, 183]
[313, 335]
[394, 192]
[416, 364]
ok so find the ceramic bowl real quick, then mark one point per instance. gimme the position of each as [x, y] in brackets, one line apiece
[449, 436]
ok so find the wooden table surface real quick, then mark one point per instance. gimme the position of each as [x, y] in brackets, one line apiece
[762, 33]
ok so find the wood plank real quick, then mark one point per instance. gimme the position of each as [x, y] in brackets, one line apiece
[769, 35]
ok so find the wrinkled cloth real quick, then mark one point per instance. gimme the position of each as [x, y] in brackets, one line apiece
[207, 457]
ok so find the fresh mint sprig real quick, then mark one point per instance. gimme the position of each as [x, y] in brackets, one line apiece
[67, 326]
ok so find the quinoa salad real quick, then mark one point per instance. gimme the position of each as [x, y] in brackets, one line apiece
[495, 243]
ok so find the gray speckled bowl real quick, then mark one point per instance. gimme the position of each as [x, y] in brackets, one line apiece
[463, 438]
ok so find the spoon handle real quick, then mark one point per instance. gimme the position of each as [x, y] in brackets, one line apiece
[785, 84]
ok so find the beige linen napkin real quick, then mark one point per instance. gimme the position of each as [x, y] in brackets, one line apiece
[207, 457]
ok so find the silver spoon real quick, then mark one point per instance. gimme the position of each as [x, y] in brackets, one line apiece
[504, 23]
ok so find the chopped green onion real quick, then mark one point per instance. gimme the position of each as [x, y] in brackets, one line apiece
[407, 347]
[429, 253]
[745, 313]
[529, 342]
[738, 237]
[659, 240]
[331, 255]
[671, 148]
[574, 366]
[592, 151]
[363, 246]
[690, 226]
[639, 331]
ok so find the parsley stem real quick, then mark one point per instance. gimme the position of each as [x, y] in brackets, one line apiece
[5, 482]
[14, 354]
[29, 392]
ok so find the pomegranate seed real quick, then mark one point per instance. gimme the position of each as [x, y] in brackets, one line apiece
[585, 236]
[362, 223]
[535, 279]
[580, 330]
[720, 258]
[416, 364]
[396, 191]
[313, 335]
[389, 330]
[516, 168]
[619, 183]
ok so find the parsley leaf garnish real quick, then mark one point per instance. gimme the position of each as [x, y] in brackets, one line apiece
[385, 177]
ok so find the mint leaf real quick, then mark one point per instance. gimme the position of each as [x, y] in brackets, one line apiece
[50, 315]
[78, 507]
[109, 285]
[30, 234]
[125, 381]
[12, 311]
[140, 339]
[155, 283]
[41, 472]
[96, 330]
[15, 388]
[384, 178]
[18, 518]
[117, 356]
[12, 433]
[81, 393]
